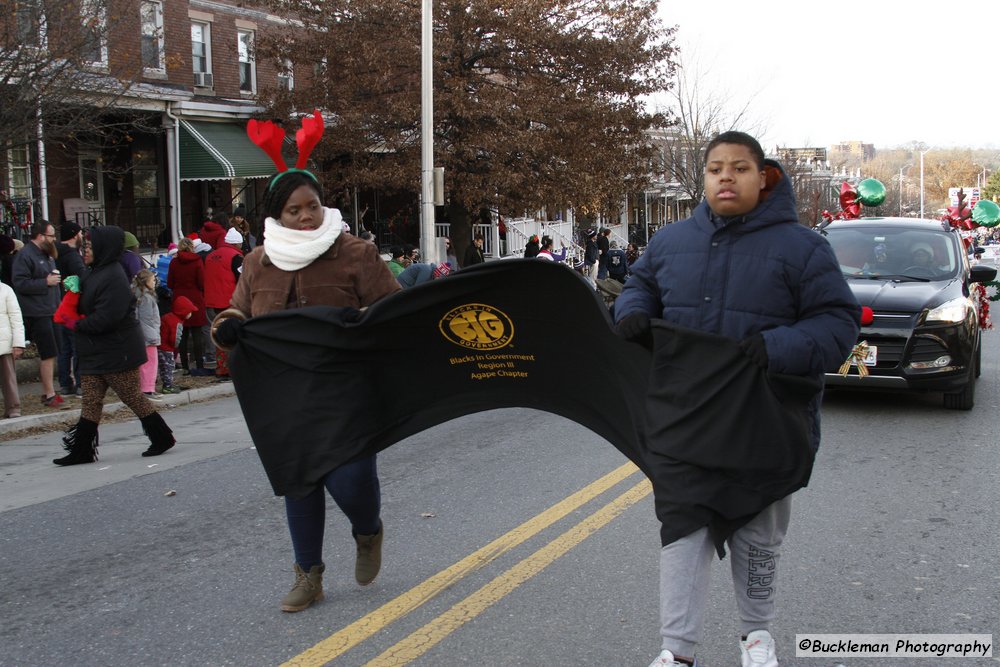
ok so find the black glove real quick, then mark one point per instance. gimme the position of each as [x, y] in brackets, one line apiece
[350, 315]
[755, 348]
[635, 327]
[227, 334]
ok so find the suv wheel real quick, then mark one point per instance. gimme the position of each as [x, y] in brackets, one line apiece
[964, 399]
[979, 357]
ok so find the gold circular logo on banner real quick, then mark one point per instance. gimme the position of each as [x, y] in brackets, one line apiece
[477, 326]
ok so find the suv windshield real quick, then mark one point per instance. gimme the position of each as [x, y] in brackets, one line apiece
[880, 251]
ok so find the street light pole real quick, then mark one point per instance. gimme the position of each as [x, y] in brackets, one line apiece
[922, 153]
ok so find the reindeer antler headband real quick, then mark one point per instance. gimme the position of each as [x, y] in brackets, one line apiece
[269, 137]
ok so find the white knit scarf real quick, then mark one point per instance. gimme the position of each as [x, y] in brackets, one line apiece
[293, 249]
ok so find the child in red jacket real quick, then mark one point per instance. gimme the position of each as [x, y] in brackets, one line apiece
[171, 328]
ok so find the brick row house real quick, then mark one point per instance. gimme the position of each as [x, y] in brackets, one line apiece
[162, 89]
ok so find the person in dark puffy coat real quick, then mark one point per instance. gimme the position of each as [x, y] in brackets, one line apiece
[741, 267]
[111, 349]
[617, 263]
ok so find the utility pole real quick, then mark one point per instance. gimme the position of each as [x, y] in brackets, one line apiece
[428, 247]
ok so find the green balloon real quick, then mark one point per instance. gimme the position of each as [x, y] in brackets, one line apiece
[871, 192]
[986, 213]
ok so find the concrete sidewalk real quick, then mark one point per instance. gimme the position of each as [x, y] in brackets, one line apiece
[30, 391]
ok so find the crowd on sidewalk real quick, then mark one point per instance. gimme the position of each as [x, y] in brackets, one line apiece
[174, 298]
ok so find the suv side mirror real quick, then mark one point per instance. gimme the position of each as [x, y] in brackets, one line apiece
[982, 273]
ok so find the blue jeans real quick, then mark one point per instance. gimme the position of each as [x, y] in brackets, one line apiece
[355, 489]
[66, 361]
[602, 269]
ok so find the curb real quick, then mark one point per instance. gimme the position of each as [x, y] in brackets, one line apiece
[17, 425]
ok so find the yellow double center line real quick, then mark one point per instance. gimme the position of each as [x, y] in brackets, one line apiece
[423, 639]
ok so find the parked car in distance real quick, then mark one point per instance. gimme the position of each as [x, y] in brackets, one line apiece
[916, 277]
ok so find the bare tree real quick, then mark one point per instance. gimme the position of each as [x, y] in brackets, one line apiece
[535, 101]
[946, 169]
[701, 112]
[55, 70]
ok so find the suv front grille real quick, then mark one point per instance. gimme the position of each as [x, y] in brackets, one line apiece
[927, 349]
[890, 351]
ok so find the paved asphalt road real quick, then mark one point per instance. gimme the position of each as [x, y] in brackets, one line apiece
[513, 538]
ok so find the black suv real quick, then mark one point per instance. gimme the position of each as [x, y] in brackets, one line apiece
[915, 277]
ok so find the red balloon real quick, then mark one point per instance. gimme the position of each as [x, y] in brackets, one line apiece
[848, 201]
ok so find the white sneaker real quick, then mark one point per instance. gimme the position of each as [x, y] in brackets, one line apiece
[758, 650]
[666, 659]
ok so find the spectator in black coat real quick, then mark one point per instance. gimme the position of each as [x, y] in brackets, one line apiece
[69, 261]
[36, 283]
[474, 253]
[111, 349]
[603, 247]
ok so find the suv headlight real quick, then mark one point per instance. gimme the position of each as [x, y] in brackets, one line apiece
[951, 312]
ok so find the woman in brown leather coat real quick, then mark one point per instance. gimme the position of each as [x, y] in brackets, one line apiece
[307, 260]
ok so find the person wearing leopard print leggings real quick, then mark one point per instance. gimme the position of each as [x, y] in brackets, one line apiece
[110, 348]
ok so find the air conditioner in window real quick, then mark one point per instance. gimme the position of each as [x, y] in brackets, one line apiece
[203, 79]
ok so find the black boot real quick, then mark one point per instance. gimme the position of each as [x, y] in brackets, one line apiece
[81, 442]
[160, 435]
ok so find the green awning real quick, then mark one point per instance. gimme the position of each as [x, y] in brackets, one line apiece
[220, 151]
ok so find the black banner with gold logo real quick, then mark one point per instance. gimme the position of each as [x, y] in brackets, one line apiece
[318, 391]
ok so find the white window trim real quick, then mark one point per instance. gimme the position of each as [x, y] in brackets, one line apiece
[97, 10]
[34, 11]
[320, 67]
[286, 76]
[162, 69]
[251, 59]
[207, 32]
[96, 157]
[20, 167]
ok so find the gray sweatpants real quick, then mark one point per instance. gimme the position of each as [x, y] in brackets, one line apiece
[685, 566]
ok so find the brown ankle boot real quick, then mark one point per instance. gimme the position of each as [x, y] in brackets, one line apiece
[308, 588]
[369, 560]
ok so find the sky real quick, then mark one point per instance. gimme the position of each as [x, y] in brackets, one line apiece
[884, 72]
